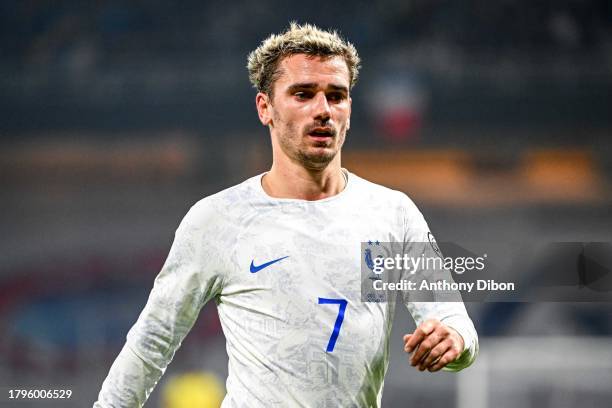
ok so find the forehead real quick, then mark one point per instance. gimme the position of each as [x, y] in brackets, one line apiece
[300, 68]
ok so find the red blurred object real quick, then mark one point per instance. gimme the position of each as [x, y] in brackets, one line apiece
[401, 124]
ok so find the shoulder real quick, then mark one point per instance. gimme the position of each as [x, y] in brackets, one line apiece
[373, 192]
[393, 200]
[219, 207]
[381, 193]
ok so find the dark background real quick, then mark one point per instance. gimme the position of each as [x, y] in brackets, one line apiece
[116, 116]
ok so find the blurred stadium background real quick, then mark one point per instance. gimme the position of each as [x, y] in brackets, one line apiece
[116, 116]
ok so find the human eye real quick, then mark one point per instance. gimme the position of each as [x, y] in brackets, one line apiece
[301, 95]
[336, 96]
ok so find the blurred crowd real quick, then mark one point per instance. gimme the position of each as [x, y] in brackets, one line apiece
[42, 33]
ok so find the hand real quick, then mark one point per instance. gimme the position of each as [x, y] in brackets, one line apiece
[434, 345]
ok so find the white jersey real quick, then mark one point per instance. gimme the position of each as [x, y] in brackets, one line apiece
[285, 274]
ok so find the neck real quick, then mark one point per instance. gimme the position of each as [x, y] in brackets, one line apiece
[291, 180]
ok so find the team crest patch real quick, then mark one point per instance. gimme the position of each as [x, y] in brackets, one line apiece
[373, 250]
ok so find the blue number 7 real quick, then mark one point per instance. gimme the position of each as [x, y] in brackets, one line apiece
[339, 320]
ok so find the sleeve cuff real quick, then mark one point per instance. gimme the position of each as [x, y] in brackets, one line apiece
[465, 328]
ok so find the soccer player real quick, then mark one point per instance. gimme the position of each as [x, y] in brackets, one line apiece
[280, 255]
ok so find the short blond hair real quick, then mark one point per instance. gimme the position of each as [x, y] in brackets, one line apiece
[298, 39]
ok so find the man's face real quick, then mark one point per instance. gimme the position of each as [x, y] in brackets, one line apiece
[310, 110]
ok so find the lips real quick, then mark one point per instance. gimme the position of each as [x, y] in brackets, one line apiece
[322, 132]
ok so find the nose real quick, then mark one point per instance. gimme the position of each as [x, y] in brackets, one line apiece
[322, 111]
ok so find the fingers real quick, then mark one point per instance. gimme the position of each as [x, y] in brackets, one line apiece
[419, 335]
[425, 347]
[435, 354]
[448, 357]
[433, 345]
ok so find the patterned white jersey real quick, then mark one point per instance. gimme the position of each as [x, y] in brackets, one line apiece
[285, 274]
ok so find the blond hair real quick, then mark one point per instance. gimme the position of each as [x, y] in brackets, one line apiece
[298, 39]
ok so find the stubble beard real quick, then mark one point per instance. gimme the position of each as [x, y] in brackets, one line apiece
[314, 156]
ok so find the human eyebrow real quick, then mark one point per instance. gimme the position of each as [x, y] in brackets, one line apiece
[311, 85]
[300, 86]
[340, 88]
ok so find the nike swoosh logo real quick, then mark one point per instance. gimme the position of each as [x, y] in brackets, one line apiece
[258, 268]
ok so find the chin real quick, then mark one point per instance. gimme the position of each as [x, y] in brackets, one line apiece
[317, 159]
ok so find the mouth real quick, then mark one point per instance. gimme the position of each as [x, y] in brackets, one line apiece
[322, 133]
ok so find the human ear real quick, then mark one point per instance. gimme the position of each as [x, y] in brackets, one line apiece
[348, 121]
[263, 108]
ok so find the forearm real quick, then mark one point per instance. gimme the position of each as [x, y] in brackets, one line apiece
[130, 381]
[149, 349]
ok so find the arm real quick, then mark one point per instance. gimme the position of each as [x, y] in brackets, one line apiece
[186, 282]
[445, 337]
